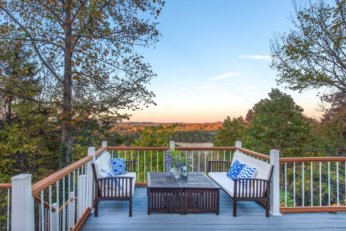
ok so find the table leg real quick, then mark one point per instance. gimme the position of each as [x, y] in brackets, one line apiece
[148, 192]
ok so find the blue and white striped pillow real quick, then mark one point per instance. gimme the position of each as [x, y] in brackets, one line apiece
[247, 172]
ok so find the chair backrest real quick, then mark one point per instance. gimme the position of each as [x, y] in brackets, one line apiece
[263, 169]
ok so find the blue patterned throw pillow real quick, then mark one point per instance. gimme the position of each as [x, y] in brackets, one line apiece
[247, 172]
[235, 169]
[118, 166]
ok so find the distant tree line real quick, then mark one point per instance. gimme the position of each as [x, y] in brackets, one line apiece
[278, 123]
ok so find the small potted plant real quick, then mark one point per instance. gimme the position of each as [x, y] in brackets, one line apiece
[179, 164]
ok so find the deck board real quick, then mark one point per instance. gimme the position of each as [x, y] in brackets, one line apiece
[113, 215]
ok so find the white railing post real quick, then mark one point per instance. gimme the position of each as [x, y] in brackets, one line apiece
[238, 144]
[275, 185]
[104, 144]
[23, 218]
[171, 145]
[92, 151]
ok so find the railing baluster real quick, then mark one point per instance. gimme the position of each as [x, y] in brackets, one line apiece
[58, 205]
[8, 209]
[285, 174]
[303, 184]
[337, 184]
[224, 155]
[199, 161]
[193, 166]
[77, 193]
[320, 181]
[205, 162]
[131, 155]
[63, 204]
[311, 184]
[151, 161]
[294, 184]
[50, 207]
[138, 165]
[157, 161]
[144, 178]
[164, 161]
[328, 183]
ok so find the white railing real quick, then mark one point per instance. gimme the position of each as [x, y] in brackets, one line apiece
[5, 206]
[152, 159]
[61, 201]
[313, 184]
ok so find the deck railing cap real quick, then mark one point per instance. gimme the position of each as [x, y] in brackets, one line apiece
[21, 177]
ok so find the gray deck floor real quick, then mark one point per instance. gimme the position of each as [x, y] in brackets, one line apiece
[113, 215]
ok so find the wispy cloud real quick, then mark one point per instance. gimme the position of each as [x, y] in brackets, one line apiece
[255, 57]
[226, 75]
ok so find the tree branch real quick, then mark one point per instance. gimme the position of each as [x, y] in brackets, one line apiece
[32, 39]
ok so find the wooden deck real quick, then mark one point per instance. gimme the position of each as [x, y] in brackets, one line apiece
[114, 216]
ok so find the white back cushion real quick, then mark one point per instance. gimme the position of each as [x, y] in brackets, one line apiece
[103, 162]
[263, 168]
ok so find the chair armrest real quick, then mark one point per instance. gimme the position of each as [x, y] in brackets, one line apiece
[218, 165]
[130, 165]
[251, 187]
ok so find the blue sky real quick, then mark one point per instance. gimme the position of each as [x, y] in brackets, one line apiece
[213, 61]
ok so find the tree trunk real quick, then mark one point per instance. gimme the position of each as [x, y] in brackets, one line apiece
[66, 133]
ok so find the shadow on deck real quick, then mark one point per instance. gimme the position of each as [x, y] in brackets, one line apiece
[113, 215]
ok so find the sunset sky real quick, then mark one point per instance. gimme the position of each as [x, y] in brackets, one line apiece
[213, 60]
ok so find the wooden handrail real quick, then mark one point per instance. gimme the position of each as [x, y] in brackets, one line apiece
[313, 209]
[256, 154]
[51, 179]
[123, 148]
[313, 159]
[99, 151]
[5, 186]
[205, 148]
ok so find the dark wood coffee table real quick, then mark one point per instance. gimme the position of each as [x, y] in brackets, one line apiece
[196, 194]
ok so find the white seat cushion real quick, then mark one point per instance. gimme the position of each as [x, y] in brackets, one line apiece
[227, 184]
[223, 181]
[130, 174]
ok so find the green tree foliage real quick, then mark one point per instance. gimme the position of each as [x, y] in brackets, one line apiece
[334, 124]
[155, 136]
[193, 136]
[26, 136]
[87, 49]
[278, 123]
[231, 131]
[313, 54]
